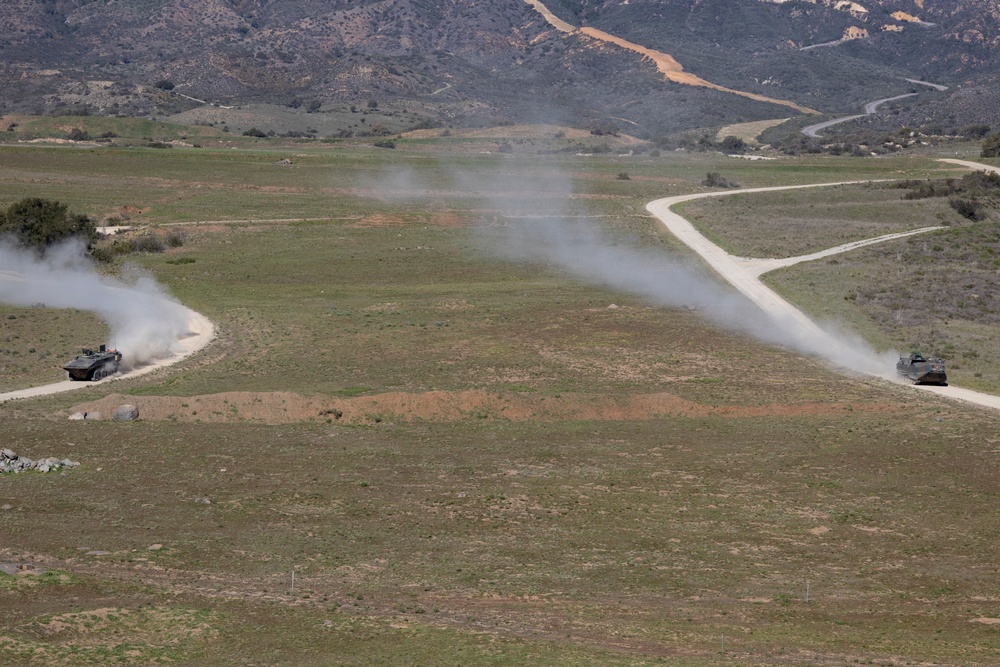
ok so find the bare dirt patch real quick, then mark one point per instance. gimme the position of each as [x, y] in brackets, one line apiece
[445, 406]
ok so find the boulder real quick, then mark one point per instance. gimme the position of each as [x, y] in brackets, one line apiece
[126, 413]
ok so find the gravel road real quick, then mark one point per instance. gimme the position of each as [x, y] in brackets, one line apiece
[743, 274]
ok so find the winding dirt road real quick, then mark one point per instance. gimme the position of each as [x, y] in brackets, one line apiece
[743, 274]
[870, 108]
[200, 332]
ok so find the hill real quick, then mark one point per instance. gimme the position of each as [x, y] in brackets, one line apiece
[471, 63]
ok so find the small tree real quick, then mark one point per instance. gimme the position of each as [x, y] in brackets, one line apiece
[40, 223]
[164, 84]
[714, 179]
[373, 104]
[733, 145]
[76, 134]
[968, 208]
[991, 146]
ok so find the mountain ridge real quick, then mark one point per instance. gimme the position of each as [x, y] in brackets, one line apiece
[481, 63]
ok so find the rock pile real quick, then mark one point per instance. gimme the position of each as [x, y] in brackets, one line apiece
[11, 462]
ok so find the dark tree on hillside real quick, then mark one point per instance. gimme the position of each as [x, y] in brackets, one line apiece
[40, 223]
[165, 84]
[991, 147]
[733, 146]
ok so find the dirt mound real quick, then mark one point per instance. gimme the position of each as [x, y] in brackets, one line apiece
[440, 406]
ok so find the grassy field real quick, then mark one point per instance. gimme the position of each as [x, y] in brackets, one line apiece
[472, 461]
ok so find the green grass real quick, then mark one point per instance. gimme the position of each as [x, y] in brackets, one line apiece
[799, 222]
[471, 539]
[36, 342]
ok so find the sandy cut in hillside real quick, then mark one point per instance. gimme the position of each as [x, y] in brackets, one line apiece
[439, 406]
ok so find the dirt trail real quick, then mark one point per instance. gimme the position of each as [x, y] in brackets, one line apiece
[667, 64]
[744, 278]
[200, 332]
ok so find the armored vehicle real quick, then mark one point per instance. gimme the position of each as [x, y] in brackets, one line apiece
[920, 370]
[94, 365]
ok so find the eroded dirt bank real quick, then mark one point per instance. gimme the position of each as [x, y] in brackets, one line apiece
[443, 406]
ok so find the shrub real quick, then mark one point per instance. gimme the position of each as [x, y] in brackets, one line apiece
[372, 104]
[76, 134]
[975, 131]
[622, 176]
[314, 106]
[968, 208]
[164, 84]
[991, 146]
[714, 179]
[174, 239]
[505, 147]
[104, 254]
[254, 132]
[145, 243]
[733, 146]
[981, 181]
[39, 223]
[385, 143]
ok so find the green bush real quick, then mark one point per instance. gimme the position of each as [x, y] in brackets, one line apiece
[714, 179]
[146, 243]
[731, 145]
[40, 223]
[968, 208]
[991, 146]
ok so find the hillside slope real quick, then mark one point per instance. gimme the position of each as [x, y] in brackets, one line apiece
[474, 63]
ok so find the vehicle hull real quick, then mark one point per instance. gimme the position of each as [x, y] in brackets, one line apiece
[918, 370]
[92, 366]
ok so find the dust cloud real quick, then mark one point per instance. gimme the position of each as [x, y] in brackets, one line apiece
[541, 222]
[145, 323]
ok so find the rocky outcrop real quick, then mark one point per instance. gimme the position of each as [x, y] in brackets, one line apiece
[11, 462]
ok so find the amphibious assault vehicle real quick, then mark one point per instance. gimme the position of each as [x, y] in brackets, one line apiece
[92, 366]
[920, 370]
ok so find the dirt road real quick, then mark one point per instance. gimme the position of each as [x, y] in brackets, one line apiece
[665, 63]
[200, 332]
[743, 274]
[870, 108]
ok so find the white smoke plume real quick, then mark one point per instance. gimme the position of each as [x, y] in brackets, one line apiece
[146, 324]
[540, 227]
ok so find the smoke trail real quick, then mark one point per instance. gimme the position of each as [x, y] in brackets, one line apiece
[145, 322]
[540, 228]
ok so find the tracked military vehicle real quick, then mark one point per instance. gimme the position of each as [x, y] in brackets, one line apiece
[92, 366]
[920, 370]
